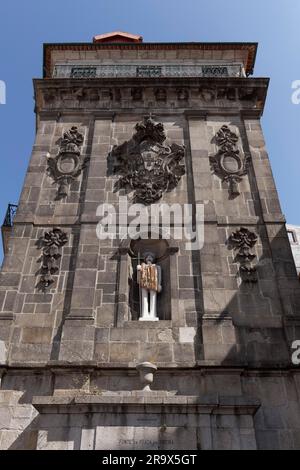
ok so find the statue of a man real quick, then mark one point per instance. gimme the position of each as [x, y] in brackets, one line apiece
[149, 280]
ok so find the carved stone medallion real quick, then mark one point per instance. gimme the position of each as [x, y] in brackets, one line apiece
[146, 164]
[227, 164]
[67, 164]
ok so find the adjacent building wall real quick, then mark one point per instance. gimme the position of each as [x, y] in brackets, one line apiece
[294, 239]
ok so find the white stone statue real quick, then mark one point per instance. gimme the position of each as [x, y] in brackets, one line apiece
[149, 280]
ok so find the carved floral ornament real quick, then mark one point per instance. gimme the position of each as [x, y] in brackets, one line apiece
[51, 244]
[146, 164]
[228, 164]
[67, 164]
[242, 241]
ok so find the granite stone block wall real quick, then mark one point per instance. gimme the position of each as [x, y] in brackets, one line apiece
[68, 351]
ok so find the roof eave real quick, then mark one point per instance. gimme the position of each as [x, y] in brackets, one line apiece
[251, 46]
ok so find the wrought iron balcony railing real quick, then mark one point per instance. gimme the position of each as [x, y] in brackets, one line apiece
[152, 71]
[10, 215]
[6, 228]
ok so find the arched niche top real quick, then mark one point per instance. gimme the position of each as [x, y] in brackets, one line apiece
[140, 246]
[158, 242]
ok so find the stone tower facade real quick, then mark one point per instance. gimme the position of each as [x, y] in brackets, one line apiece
[156, 123]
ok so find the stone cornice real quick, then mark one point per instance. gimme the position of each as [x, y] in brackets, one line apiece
[104, 95]
[201, 367]
[154, 81]
[151, 402]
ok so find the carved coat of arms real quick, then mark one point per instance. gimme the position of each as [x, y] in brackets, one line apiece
[146, 164]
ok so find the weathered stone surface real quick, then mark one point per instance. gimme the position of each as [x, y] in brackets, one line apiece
[223, 345]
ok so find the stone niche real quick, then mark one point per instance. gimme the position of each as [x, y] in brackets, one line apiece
[130, 255]
[160, 249]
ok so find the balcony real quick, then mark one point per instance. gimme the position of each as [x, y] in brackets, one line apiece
[147, 71]
[7, 225]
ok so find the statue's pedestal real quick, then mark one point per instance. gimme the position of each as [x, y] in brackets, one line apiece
[145, 420]
[148, 319]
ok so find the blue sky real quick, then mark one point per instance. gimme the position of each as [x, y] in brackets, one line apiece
[274, 24]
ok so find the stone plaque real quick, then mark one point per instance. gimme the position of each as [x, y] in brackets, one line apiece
[145, 437]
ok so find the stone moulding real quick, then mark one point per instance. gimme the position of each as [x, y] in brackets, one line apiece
[67, 164]
[116, 93]
[178, 404]
[146, 165]
[209, 95]
[51, 244]
[205, 403]
[242, 241]
[227, 164]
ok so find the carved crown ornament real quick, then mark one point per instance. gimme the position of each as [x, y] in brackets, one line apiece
[228, 164]
[242, 241]
[51, 244]
[146, 164]
[67, 164]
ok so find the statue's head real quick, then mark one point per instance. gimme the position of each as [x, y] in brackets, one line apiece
[149, 257]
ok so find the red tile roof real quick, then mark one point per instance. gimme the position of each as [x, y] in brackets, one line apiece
[117, 36]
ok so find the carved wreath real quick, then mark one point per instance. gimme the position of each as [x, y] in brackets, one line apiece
[146, 165]
[227, 164]
[67, 164]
